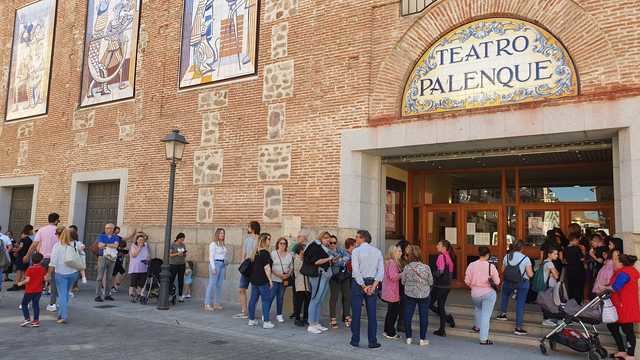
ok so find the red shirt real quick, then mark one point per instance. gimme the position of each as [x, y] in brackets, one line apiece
[36, 274]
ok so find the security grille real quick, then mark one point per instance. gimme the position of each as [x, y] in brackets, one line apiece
[410, 7]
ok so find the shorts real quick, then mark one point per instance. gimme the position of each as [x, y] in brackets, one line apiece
[118, 269]
[20, 265]
[137, 280]
[244, 282]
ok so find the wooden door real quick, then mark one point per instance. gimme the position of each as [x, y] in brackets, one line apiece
[482, 225]
[20, 211]
[443, 223]
[102, 208]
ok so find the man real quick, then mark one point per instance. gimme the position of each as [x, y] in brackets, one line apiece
[368, 272]
[44, 242]
[5, 242]
[107, 254]
[248, 248]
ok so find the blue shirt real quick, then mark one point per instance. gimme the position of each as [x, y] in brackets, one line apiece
[342, 258]
[107, 240]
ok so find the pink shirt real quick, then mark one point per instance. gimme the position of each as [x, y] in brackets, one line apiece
[604, 277]
[391, 282]
[444, 259]
[46, 239]
[477, 277]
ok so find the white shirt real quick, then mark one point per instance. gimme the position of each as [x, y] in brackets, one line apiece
[367, 262]
[281, 264]
[57, 260]
[216, 253]
[6, 242]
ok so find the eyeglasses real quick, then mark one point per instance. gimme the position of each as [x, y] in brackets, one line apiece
[333, 243]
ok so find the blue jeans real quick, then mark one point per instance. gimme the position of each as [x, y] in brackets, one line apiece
[215, 282]
[34, 299]
[521, 299]
[319, 286]
[257, 292]
[423, 311]
[64, 283]
[357, 298]
[277, 293]
[482, 310]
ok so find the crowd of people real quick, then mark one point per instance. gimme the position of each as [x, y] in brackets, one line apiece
[355, 275]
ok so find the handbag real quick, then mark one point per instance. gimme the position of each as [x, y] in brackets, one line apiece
[73, 259]
[285, 282]
[245, 267]
[493, 285]
[609, 312]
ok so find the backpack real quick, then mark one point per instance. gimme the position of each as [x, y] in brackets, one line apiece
[512, 273]
[537, 282]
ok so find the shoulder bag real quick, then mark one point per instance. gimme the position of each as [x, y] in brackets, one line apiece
[73, 259]
[492, 283]
[285, 282]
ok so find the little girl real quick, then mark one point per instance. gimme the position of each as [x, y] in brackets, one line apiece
[188, 279]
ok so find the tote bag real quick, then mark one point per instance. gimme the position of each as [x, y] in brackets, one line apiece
[609, 312]
[73, 258]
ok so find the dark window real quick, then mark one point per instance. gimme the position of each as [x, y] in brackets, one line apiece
[394, 209]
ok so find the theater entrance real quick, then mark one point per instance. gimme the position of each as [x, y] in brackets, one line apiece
[494, 201]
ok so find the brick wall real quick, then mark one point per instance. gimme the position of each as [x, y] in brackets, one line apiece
[341, 65]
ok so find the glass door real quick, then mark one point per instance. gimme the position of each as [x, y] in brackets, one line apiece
[482, 227]
[443, 224]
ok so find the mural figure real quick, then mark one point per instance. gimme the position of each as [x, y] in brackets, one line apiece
[219, 38]
[111, 45]
[31, 60]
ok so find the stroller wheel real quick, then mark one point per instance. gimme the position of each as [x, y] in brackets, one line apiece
[543, 348]
[594, 355]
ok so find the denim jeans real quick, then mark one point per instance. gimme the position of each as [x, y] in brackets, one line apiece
[215, 282]
[277, 294]
[521, 299]
[34, 299]
[319, 286]
[64, 283]
[260, 292]
[423, 310]
[357, 298]
[482, 310]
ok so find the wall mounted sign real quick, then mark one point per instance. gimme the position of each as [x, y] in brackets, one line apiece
[31, 54]
[489, 62]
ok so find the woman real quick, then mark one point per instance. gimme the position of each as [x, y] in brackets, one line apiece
[604, 275]
[138, 266]
[442, 285]
[391, 291]
[517, 263]
[64, 275]
[118, 269]
[302, 289]
[217, 267]
[261, 282]
[282, 268]
[340, 283]
[624, 284]
[417, 280]
[177, 261]
[483, 278]
[551, 275]
[575, 270]
[317, 265]
[20, 250]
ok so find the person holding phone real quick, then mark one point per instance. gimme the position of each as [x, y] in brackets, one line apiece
[317, 257]
[177, 262]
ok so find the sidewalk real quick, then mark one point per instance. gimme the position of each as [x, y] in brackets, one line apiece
[334, 343]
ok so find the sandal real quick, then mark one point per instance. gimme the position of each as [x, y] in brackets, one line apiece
[347, 321]
[334, 323]
[208, 308]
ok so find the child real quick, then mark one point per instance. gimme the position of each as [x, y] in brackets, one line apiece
[34, 279]
[551, 276]
[188, 279]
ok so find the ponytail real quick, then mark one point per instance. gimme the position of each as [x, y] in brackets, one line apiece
[627, 260]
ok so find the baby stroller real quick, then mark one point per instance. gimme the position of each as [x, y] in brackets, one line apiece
[151, 287]
[583, 336]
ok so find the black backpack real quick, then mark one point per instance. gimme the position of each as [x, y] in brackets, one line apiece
[512, 273]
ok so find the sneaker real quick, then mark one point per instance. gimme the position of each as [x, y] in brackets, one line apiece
[181, 299]
[424, 342]
[387, 336]
[52, 308]
[408, 341]
[253, 323]
[280, 318]
[25, 323]
[35, 323]
[188, 296]
[98, 299]
[374, 346]
[520, 332]
[313, 330]
[115, 290]
[502, 317]
[321, 328]
[208, 308]
[84, 280]
[440, 332]
[109, 298]
[549, 322]
[268, 325]
[61, 321]
[240, 316]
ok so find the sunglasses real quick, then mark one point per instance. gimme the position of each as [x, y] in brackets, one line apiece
[333, 243]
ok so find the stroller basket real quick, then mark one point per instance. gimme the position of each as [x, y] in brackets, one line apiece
[572, 340]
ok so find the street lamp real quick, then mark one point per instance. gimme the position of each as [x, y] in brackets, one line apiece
[174, 148]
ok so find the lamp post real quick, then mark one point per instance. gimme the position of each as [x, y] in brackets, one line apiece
[174, 148]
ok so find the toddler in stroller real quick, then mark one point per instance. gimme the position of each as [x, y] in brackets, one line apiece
[151, 287]
[583, 336]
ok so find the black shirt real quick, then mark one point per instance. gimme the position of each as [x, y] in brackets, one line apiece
[258, 275]
[26, 244]
[314, 253]
[574, 258]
